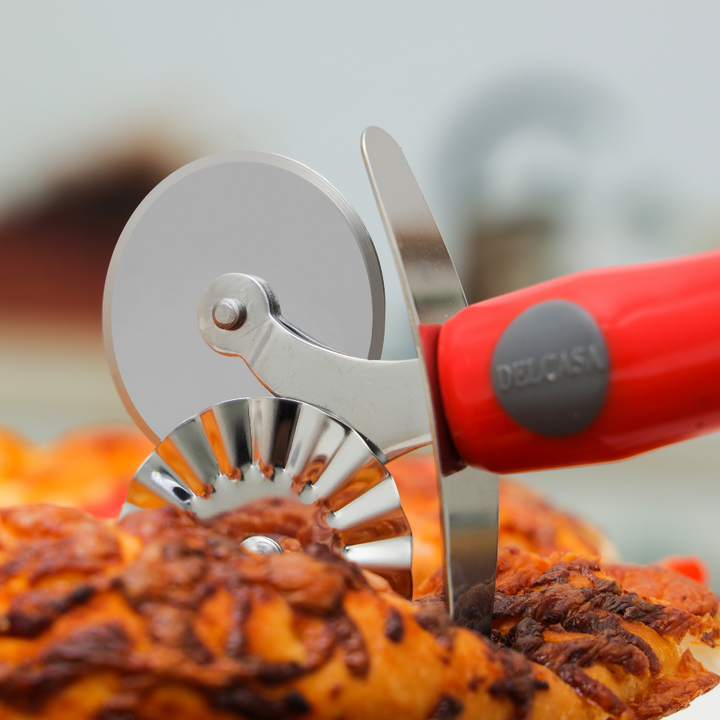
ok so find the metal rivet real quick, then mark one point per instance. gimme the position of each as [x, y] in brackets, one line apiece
[229, 313]
[261, 544]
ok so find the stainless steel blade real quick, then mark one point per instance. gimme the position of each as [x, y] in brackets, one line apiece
[247, 212]
[241, 451]
[469, 497]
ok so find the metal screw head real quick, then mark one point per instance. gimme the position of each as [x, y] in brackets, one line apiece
[229, 313]
[261, 544]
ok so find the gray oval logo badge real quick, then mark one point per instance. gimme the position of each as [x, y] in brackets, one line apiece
[550, 369]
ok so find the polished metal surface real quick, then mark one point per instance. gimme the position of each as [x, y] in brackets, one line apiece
[246, 212]
[243, 450]
[262, 545]
[433, 293]
[229, 313]
[383, 400]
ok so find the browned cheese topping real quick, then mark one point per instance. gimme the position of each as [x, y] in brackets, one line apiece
[162, 616]
[567, 614]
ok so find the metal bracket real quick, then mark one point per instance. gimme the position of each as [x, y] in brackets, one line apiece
[383, 400]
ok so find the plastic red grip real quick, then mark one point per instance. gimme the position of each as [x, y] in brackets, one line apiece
[661, 325]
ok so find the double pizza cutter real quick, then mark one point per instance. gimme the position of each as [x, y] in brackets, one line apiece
[593, 367]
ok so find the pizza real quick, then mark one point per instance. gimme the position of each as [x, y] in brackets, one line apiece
[162, 615]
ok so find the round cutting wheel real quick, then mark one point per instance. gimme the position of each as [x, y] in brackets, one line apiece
[248, 212]
[243, 450]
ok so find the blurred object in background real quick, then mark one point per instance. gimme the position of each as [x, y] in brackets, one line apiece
[88, 468]
[55, 253]
[547, 178]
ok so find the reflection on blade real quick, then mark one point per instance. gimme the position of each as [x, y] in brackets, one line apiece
[243, 450]
[433, 294]
[156, 480]
[375, 514]
[189, 453]
[351, 471]
[387, 558]
[227, 427]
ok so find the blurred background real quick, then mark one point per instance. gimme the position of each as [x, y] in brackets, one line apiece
[548, 138]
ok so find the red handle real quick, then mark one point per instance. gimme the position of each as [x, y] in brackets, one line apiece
[661, 328]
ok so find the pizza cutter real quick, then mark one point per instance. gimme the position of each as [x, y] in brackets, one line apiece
[589, 368]
[225, 442]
